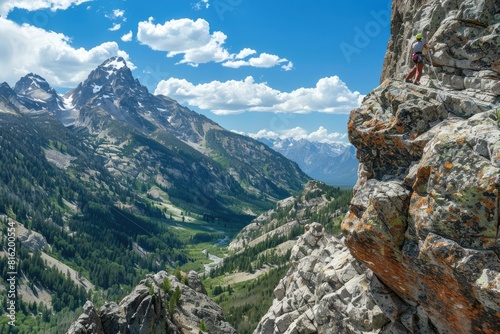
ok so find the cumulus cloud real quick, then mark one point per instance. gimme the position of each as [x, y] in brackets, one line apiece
[127, 37]
[245, 53]
[8, 5]
[175, 35]
[320, 135]
[197, 45]
[264, 60]
[330, 95]
[25, 49]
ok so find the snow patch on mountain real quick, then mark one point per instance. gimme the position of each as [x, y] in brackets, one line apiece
[333, 163]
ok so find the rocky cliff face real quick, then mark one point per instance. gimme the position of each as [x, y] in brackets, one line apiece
[464, 35]
[423, 226]
[425, 215]
[149, 309]
[328, 291]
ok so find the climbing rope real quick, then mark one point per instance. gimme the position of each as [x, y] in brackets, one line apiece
[434, 70]
[441, 95]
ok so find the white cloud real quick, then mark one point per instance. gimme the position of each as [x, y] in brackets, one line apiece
[201, 4]
[320, 135]
[288, 67]
[118, 13]
[175, 35]
[265, 60]
[127, 37]
[330, 95]
[115, 27]
[193, 40]
[25, 49]
[245, 53]
[8, 5]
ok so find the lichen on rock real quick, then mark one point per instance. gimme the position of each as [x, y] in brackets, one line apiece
[425, 212]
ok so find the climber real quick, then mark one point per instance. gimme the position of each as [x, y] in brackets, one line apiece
[418, 58]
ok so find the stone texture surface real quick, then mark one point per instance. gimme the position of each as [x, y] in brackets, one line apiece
[425, 212]
[428, 224]
[144, 311]
[327, 290]
[423, 228]
[465, 36]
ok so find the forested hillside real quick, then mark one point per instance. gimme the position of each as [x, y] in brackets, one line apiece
[258, 257]
[90, 221]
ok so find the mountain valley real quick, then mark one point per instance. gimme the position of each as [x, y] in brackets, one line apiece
[108, 183]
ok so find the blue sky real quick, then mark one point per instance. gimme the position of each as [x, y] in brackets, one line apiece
[278, 68]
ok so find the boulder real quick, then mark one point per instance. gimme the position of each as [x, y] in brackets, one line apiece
[145, 311]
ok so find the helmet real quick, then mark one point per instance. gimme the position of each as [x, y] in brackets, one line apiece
[419, 36]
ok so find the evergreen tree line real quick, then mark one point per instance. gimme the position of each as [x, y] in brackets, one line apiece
[65, 293]
[245, 304]
[97, 237]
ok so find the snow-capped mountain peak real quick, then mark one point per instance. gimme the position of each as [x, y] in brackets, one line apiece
[35, 93]
[332, 163]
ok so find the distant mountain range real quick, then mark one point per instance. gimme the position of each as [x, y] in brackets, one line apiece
[333, 163]
[166, 146]
[116, 181]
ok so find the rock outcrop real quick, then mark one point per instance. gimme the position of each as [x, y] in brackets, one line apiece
[149, 309]
[465, 36]
[30, 239]
[424, 216]
[324, 287]
[327, 290]
[423, 227]
[289, 213]
[425, 213]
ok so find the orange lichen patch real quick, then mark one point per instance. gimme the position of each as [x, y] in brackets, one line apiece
[422, 177]
[486, 330]
[399, 144]
[413, 135]
[488, 203]
[448, 165]
[488, 241]
[421, 201]
[378, 141]
[442, 291]
[380, 126]
[496, 65]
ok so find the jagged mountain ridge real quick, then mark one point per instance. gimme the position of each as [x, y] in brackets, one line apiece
[94, 169]
[35, 93]
[165, 144]
[332, 163]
